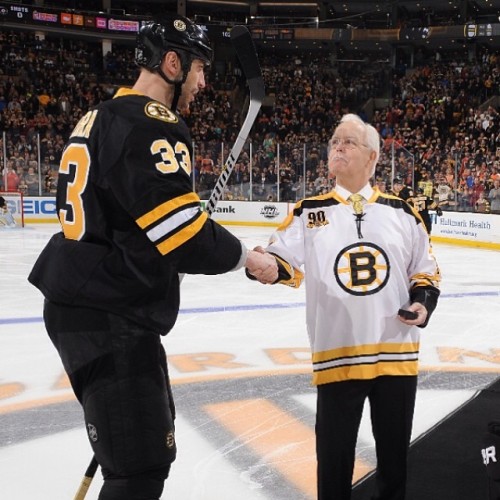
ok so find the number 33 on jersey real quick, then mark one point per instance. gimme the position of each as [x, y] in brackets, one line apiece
[151, 165]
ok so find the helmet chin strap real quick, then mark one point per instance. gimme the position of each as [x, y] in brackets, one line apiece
[185, 68]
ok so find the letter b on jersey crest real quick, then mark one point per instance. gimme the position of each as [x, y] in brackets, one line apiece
[362, 269]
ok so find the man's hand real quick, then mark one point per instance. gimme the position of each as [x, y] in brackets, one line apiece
[420, 309]
[262, 265]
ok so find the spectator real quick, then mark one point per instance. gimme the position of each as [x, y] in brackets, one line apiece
[465, 201]
[445, 195]
[434, 114]
[494, 197]
[32, 182]
[11, 177]
[482, 204]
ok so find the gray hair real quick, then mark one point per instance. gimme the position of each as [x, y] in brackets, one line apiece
[372, 136]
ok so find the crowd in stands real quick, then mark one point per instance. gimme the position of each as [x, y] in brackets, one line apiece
[440, 132]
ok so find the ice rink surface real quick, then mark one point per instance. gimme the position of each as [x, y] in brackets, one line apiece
[240, 367]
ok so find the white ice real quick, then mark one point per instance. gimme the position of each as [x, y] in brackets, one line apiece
[235, 341]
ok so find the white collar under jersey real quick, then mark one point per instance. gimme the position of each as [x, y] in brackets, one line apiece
[366, 192]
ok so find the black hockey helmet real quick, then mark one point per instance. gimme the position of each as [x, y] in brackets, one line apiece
[171, 32]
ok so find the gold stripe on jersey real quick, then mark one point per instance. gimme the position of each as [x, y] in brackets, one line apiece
[288, 275]
[124, 91]
[427, 279]
[363, 350]
[365, 362]
[166, 208]
[434, 282]
[288, 220]
[185, 234]
[174, 222]
[153, 109]
[366, 371]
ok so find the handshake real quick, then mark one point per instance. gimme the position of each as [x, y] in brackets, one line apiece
[261, 265]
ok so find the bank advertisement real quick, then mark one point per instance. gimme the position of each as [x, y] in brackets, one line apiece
[255, 213]
[43, 209]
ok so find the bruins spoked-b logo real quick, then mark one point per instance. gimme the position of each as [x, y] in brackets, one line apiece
[159, 111]
[179, 25]
[362, 269]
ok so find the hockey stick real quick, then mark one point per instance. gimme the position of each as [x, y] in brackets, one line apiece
[87, 479]
[245, 50]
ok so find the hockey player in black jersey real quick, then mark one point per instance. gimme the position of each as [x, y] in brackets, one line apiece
[423, 204]
[130, 224]
[400, 190]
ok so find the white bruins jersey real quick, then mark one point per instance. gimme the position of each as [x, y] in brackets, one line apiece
[355, 285]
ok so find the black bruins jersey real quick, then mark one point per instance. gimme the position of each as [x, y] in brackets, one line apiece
[405, 193]
[130, 219]
[423, 204]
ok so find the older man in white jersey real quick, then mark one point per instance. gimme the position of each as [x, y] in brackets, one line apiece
[371, 280]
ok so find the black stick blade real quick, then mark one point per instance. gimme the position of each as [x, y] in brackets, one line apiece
[245, 50]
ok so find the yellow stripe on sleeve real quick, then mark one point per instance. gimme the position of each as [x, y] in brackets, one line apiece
[166, 208]
[183, 235]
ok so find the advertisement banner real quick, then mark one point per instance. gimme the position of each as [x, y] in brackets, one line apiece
[481, 230]
[39, 209]
[43, 209]
[243, 213]
[467, 228]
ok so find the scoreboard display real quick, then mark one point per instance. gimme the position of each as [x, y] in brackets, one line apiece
[127, 26]
[272, 33]
[93, 22]
[46, 16]
[479, 30]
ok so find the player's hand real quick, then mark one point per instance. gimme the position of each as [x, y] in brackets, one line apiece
[259, 249]
[421, 311]
[262, 265]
